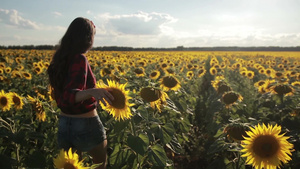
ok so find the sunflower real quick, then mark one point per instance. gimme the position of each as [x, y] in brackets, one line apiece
[190, 74]
[268, 84]
[38, 69]
[269, 71]
[68, 160]
[46, 64]
[278, 75]
[51, 93]
[298, 76]
[231, 97]
[217, 80]
[2, 78]
[142, 63]
[16, 74]
[120, 70]
[282, 90]
[105, 71]
[120, 107]
[250, 74]
[2, 65]
[17, 100]
[189, 67]
[235, 131]
[164, 65]
[296, 84]
[19, 59]
[292, 73]
[201, 72]
[213, 71]
[27, 75]
[266, 147]
[156, 97]
[169, 83]
[262, 70]
[5, 101]
[37, 108]
[259, 83]
[244, 73]
[139, 71]
[7, 70]
[154, 74]
[169, 71]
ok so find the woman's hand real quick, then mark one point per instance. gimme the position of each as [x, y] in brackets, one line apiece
[101, 94]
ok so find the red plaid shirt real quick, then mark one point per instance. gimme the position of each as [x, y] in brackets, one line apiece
[79, 77]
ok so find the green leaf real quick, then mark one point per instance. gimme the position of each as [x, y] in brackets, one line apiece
[157, 156]
[119, 156]
[142, 111]
[120, 126]
[181, 105]
[184, 124]
[166, 132]
[139, 144]
[174, 145]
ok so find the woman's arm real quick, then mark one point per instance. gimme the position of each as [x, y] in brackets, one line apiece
[99, 94]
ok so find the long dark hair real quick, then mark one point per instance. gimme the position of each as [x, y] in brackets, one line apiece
[78, 39]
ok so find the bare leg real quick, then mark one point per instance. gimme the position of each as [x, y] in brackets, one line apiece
[99, 154]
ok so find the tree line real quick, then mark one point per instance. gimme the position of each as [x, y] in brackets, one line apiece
[178, 48]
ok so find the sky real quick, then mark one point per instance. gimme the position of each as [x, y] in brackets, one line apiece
[155, 23]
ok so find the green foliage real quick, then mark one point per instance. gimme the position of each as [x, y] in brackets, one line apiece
[188, 132]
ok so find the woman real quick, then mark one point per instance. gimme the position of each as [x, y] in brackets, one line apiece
[73, 82]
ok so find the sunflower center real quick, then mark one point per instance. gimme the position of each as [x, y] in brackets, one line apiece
[153, 74]
[169, 82]
[150, 94]
[106, 71]
[138, 71]
[164, 65]
[26, 75]
[201, 71]
[278, 74]
[16, 100]
[265, 146]
[3, 101]
[282, 89]
[119, 98]
[230, 98]
[236, 132]
[120, 68]
[261, 83]
[69, 166]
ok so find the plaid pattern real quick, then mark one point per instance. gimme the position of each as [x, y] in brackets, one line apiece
[79, 77]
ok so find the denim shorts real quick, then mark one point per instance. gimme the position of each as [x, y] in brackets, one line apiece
[83, 134]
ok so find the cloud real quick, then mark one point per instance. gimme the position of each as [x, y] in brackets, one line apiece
[56, 14]
[13, 18]
[140, 23]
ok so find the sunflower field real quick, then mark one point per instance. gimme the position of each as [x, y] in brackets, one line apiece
[172, 109]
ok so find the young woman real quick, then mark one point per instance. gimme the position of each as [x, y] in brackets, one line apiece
[73, 82]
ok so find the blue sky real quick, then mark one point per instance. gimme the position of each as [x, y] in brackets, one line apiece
[155, 23]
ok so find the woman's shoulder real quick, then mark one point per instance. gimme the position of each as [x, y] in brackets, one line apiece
[79, 58]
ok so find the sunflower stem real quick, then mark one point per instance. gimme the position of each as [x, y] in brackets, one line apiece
[18, 153]
[133, 127]
[134, 133]
[237, 164]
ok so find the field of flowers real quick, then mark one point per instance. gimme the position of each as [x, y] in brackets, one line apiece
[171, 109]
